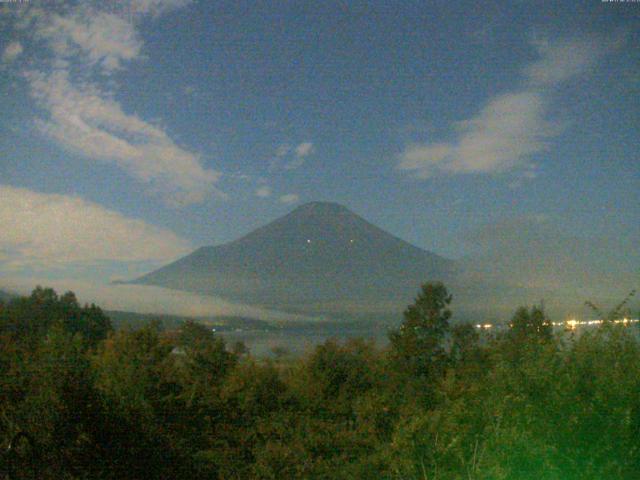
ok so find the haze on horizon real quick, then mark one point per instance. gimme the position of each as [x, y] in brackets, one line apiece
[502, 138]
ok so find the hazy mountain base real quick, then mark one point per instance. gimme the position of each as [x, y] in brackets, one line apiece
[323, 260]
[525, 259]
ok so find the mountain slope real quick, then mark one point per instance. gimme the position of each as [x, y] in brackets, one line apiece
[320, 257]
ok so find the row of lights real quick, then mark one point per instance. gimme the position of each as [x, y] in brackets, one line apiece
[571, 324]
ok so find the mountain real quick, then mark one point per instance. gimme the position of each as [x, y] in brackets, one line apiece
[319, 258]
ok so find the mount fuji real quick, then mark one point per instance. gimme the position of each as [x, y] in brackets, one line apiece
[321, 258]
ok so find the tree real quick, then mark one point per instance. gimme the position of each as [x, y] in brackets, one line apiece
[419, 343]
[530, 324]
[464, 343]
[207, 361]
[341, 370]
[619, 311]
[28, 319]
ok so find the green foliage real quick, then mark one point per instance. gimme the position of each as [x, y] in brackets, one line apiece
[440, 402]
[206, 359]
[27, 319]
[619, 311]
[465, 344]
[418, 346]
[527, 325]
[341, 371]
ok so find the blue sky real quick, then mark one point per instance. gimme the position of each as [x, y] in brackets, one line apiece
[131, 134]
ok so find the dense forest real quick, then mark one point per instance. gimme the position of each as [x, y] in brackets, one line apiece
[442, 401]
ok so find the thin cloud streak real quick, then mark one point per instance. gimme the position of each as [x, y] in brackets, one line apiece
[263, 192]
[289, 198]
[512, 127]
[563, 59]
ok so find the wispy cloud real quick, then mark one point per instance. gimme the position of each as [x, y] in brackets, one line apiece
[289, 198]
[512, 127]
[11, 52]
[290, 158]
[502, 136]
[301, 152]
[46, 230]
[563, 59]
[263, 192]
[304, 149]
[153, 7]
[283, 150]
[81, 114]
[90, 123]
[100, 38]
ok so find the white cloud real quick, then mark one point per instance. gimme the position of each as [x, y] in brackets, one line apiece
[295, 156]
[154, 7]
[99, 37]
[503, 135]
[94, 125]
[511, 127]
[283, 150]
[263, 192]
[561, 60]
[304, 149]
[47, 230]
[289, 198]
[424, 158]
[11, 52]
[500, 137]
[81, 115]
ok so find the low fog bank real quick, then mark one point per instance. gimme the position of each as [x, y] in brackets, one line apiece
[149, 299]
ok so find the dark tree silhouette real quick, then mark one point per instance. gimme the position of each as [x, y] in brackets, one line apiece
[419, 343]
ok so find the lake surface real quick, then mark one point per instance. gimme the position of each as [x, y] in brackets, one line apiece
[263, 343]
[298, 341]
